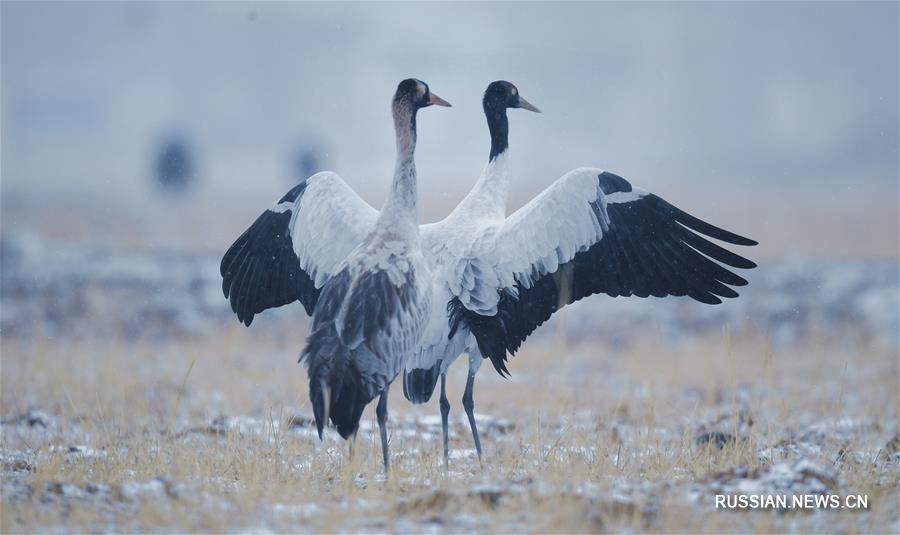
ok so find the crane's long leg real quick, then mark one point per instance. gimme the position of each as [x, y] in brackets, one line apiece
[381, 414]
[445, 412]
[469, 403]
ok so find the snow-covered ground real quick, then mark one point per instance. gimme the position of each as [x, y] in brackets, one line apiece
[133, 400]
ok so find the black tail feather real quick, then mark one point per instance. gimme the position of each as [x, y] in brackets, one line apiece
[418, 384]
[336, 390]
[317, 398]
[490, 334]
[348, 401]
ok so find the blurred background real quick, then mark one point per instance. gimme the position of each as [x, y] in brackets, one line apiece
[135, 128]
[778, 120]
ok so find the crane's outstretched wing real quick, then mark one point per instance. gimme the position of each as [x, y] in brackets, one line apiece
[590, 232]
[292, 249]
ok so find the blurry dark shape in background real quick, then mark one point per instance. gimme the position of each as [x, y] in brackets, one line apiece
[308, 159]
[175, 164]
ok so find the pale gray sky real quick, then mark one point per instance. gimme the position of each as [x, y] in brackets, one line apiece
[735, 98]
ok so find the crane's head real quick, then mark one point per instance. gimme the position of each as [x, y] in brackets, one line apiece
[416, 94]
[502, 94]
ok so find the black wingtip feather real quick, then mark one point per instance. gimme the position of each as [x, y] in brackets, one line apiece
[698, 225]
[715, 252]
[260, 270]
[705, 298]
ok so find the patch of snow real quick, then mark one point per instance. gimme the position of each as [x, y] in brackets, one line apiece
[295, 510]
[799, 477]
[145, 490]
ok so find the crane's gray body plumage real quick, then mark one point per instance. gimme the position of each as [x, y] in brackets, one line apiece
[366, 323]
[359, 272]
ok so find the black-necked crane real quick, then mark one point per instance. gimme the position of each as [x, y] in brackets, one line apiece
[498, 278]
[360, 273]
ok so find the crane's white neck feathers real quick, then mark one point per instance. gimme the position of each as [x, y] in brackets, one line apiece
[487, 200]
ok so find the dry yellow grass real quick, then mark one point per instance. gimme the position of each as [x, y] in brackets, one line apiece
[591, 439]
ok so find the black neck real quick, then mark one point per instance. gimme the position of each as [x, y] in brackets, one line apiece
[498, 125]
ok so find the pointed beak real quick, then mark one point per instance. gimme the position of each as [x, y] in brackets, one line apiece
[525, 105]
[436, 100]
